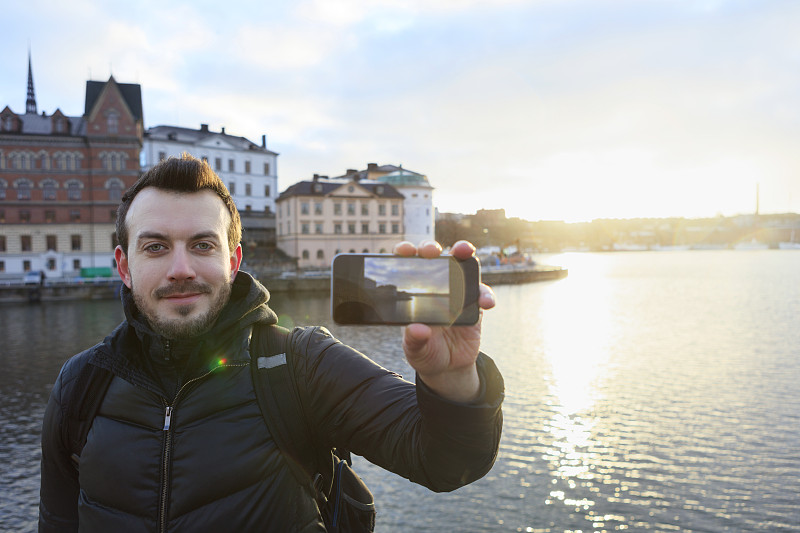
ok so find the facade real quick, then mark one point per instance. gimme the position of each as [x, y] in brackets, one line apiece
[318, 219]
[250, 171]
[419, 213]
[61, 180]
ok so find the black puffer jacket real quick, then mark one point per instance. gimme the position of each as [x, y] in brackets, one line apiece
[179, 443]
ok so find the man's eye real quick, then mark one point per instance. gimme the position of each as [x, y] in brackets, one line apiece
[155, 247]
[204, 245]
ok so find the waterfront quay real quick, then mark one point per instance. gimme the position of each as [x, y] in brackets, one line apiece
[318, 281]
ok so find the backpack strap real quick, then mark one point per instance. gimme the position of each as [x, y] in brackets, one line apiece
[279, 400]
[81, 403]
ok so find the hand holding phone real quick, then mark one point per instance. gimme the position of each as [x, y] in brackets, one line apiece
[394, 289]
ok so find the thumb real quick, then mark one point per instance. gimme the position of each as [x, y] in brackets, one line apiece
[415, 339]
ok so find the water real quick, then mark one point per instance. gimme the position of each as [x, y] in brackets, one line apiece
[645, 392]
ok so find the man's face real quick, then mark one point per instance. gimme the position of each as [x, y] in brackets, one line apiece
[178, 264]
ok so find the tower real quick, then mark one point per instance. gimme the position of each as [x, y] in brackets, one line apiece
[30, 103]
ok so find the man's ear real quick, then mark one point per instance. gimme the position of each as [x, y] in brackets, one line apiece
[122, 266]
[236, 260]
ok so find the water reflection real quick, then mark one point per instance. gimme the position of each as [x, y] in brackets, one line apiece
[577, 332]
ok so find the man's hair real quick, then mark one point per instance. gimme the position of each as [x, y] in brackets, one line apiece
[186, 174]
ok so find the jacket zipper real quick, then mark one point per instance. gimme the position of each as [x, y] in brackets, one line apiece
[167, 454]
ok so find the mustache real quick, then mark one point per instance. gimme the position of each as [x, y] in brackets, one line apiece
[182, 287]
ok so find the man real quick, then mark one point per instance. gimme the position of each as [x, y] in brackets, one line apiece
[179, 443]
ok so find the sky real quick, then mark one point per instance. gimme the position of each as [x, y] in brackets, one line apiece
[549, 109]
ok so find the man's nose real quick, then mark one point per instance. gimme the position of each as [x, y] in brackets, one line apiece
[181, 266]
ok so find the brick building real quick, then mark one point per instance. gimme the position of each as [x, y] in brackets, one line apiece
[62, 177]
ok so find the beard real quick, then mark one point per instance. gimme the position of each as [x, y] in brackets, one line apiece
[183, 328]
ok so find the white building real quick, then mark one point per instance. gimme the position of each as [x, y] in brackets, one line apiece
[250, 172]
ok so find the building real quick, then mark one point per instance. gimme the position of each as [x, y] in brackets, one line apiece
[62, 177]
[318, 219]
[419, 213]
[249, 170]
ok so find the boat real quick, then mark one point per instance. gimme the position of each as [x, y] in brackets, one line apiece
[752, 245]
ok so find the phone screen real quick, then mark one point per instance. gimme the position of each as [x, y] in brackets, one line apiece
[390, 289]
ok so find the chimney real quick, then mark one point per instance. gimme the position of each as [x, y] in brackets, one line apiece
[204, 128]
[264, 141]
[316, 177]
[223, 130]
[351, 171]
[372, 166]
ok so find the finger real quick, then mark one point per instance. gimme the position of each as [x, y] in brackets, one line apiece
[462, 250]
[429, 249]
[404, 248]
[487, 299]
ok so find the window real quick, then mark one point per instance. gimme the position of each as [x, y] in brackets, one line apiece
[49, 190]
[24, 215]
[247, 167]
[25, 243]
[337, 209]
[75, 215]
[73, 191]
[162, 156]
[75, 242]
[320, 254]
[304, 229]
[305, 254]
[382, 209]
[231, 165]
[2, 266]
[395, 228]
[112, 122]
[2, 216]
[365, 209]
[318, 227]
[395, 210]
[26, 266]
[51, 264]
[232, 188]
[364, 227]
[351, 208]
[317, 208]
[381, 228]
[303, 208]
[24, 190]
[266, 169]
[337, 228]
[114, 191]
[49, 216]
[218, 163]
[266, 191]
[351, 228]
[2, 243]
[248, 189]
[76, 264]
[2, 190]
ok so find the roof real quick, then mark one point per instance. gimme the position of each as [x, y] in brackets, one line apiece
[305, 188]
[405, 178]
[364, 174]
[131, 93]
[192, 136]
[42, 124]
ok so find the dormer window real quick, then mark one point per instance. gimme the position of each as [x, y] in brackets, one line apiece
[8, 123]
[317, 188]
[379, 189]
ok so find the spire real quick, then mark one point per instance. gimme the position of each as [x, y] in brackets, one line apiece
[30, 103]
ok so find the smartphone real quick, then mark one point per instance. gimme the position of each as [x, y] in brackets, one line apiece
[391, 289]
